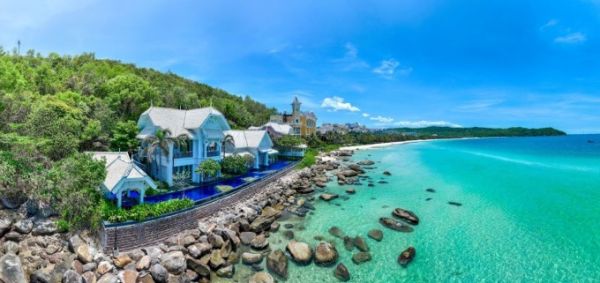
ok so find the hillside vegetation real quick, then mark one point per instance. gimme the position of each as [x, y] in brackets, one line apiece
[54, 107]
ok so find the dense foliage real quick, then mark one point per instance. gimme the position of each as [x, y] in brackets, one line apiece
[448, 132]
[209, 168]
[52, 108]
[288, 141]
[144, 211]
[236, 164]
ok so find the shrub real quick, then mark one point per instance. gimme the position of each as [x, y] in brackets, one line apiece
[209, 168]
[143, 211]
[236, 164]
[308, 159]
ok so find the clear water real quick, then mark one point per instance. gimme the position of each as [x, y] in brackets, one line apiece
[531, 212]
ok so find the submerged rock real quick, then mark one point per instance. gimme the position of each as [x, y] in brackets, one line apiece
[350, 191]
[325, 254]
[277, 263]
[387, 173]
[341, 272]
[366, 162]
[328, 197]
[455, 203]
[407, 256]
[260, 242]
[301, 252]
[261, 277]
[251, 258]
[247, 237]
[360, 243]
[361, 257]
[395, 224]
[376, 235]
[348, 245]
[430, 190]
[336, 232]
[406, 215]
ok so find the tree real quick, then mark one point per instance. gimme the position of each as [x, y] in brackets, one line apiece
[129, 95]
[159, 143]
[236, 164]
[209, 168]
[124, 136]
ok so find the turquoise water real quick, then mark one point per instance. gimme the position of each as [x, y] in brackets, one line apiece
[531, 212]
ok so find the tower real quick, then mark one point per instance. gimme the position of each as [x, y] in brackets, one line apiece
[296, 106]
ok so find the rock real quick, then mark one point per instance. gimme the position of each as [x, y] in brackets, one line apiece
[260, 242]
[122, 260]
[89, 277]
[278, 263]
[376, 235]
[109, 278]
[174, 262]
[406, 215]
[5, 225]
[274, 227]
[395, 224]
[341, 273]
[288, 234]
[89, 267]
[328, 197]
[366, 162]
[192, 275]
[261, 277]
[361, 257]
[251, 258]
[84, 253]
[360, 243]
[143, 263]
[430, 190]
[104, 267]
[199, 249]
[387, 173]
[13, 236]
[348, 173]
[407, 256]
[427, 199]
[11, 270]
[44, 227]
[301, 252]
[215, 240]
[188, 240]
[72, 277]
[336, 232]
[77, 266]
[263, 222]
[74, 242]
[247, 237]
[39, 276]
[225, 272]
[325, 254]
[320, 184]
[23, 226]
[216, 260]
[159, 273]
[197, 266]
[11, 247]
[455, 203]
[356, 168]
[128, 276]
[288, 226]
[350, 191]
[348, 244]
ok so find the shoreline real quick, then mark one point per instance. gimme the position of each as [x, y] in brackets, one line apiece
[386, 144]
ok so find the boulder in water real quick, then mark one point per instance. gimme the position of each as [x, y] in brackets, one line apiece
[455, 203]
[325, 254]
[360, 243]
[430, 190]
[395, 224]
[407, 256]
[341, 272]
[328, 197]
[300, 252]
[406, 215]
[336, 232]
[376, 235]
[361, 257]
[277, 263]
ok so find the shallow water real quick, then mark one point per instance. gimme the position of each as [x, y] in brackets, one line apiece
[531, 211]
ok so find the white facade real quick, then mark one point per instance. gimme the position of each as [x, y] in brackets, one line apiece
[256, 143]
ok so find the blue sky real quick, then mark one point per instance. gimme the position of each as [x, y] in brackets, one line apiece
[380, 63]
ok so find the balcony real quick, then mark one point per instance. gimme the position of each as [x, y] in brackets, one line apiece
[213, 153]
[185, 154]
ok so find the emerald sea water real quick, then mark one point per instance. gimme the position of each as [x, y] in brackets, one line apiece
[530, 212]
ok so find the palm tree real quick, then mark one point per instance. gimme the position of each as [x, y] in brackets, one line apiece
[160, 142]
[228, 139]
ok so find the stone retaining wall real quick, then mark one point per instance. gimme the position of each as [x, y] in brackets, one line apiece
[130, 236]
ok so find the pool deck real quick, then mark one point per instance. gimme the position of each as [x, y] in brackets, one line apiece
[130, 235]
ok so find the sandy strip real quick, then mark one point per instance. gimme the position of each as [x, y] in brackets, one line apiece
[378, 145]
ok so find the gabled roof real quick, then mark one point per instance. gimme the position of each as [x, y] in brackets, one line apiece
[283, 129]
[119, 166]
[178, 122]
[247, 139]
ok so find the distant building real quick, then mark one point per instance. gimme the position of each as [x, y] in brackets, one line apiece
[302, 123]
[342, 128]
[275, 130]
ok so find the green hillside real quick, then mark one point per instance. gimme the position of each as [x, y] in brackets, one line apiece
[449, 132]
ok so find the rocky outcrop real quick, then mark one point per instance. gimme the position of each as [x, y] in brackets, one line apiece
[341, 272]
[406, 216]
[263, 222]
[376, 235]
[325, 254]
[300, 252]
[278, 263]
[407, 256]
[395, 225]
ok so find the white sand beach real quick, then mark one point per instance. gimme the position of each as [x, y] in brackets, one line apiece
[377, 145]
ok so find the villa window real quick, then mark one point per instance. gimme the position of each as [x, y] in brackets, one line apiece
[212, 149]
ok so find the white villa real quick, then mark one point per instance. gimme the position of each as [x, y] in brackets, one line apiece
[123, 176]
[255, 143]
[275, 129]
[205, 129]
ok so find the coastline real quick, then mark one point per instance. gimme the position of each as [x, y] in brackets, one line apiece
[386, 144]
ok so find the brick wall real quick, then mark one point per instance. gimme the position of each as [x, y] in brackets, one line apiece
[130, 236]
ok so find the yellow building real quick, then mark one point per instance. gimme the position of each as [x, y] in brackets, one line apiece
[302, 123]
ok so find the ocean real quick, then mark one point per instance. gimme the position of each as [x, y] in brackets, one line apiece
[530, 212]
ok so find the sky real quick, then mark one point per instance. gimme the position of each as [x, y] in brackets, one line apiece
[380, 63]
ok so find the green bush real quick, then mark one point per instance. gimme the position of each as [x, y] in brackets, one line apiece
[143, 211]
[309, 158]
[209, 168]
[236, 164]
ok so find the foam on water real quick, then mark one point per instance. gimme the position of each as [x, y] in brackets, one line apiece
[518, 222]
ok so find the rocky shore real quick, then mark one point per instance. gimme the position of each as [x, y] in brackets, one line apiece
[33, 250]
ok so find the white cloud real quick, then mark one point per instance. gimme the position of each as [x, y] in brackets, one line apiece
[549, 24]
[423, 124]
[571, 38]
[351, 61]
[366, 115]
[387, 68]
[382, 120]
[337, 103]
[351, 51]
